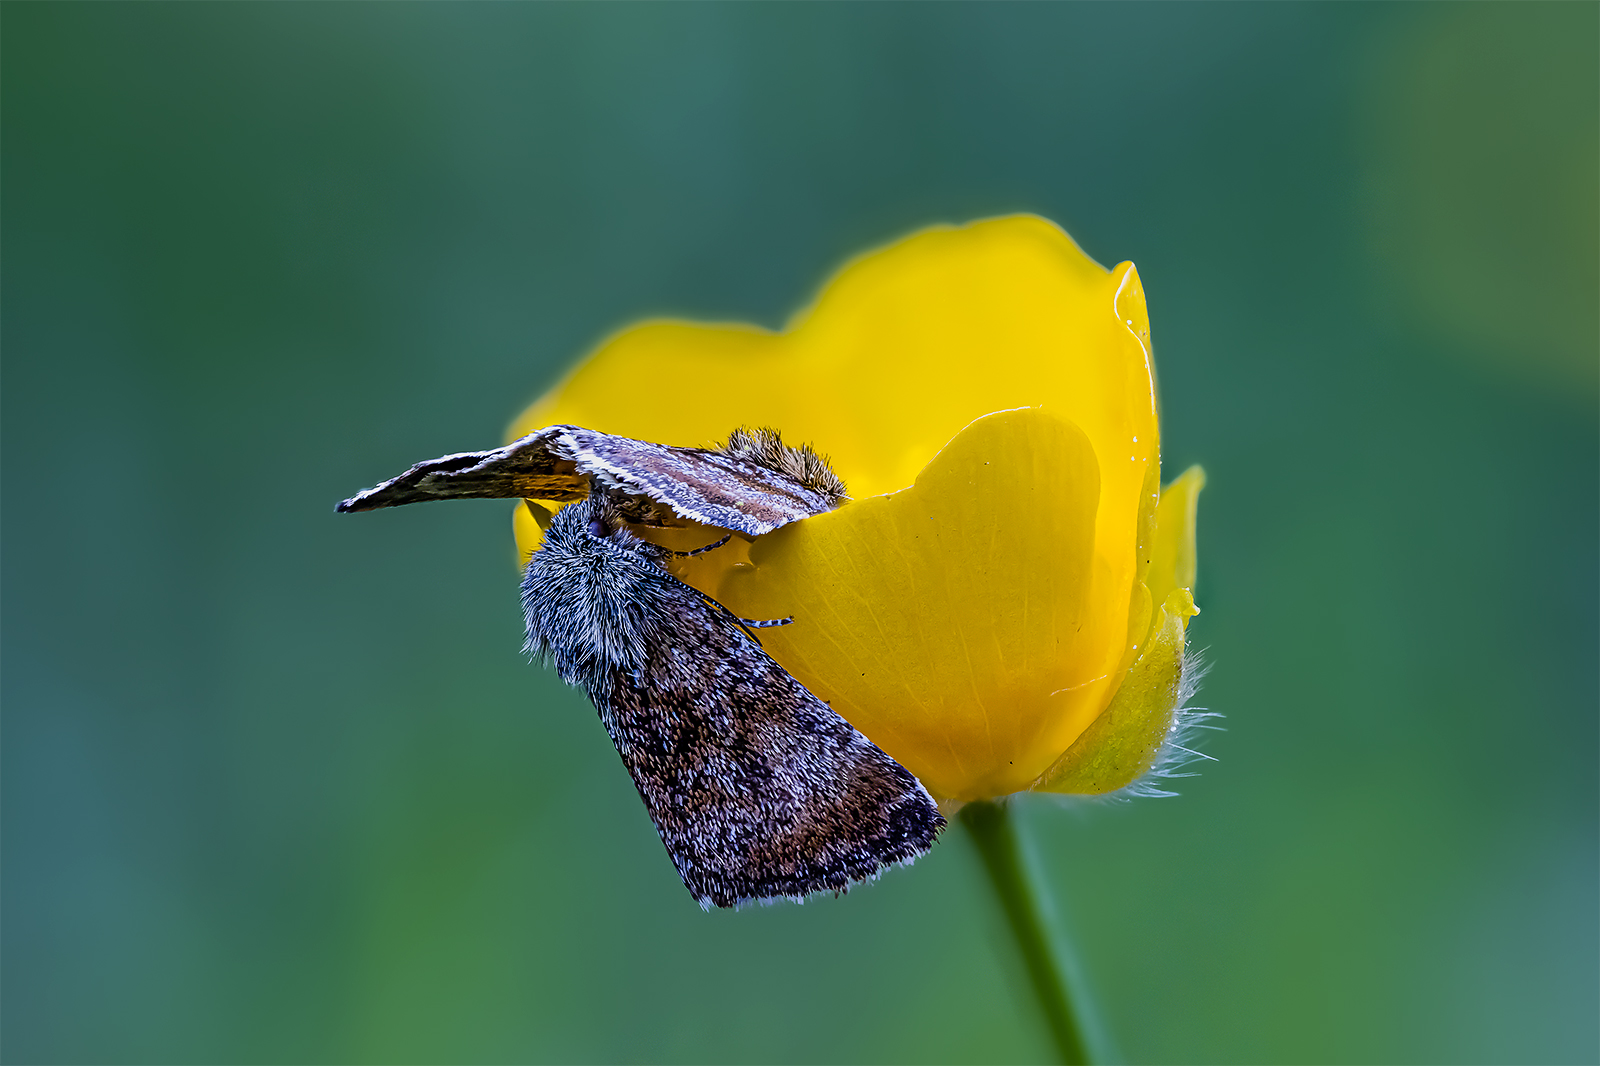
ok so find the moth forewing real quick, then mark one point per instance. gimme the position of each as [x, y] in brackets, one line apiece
[758, 789]
[753, 484]
[532, 467]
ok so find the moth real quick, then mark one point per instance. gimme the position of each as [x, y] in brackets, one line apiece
[758, 789]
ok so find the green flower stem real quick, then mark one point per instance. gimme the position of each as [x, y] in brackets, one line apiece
[994, 830]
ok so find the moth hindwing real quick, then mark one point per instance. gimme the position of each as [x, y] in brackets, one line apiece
[758, 789]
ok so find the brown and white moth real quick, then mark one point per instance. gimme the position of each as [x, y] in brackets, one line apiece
[759, 790]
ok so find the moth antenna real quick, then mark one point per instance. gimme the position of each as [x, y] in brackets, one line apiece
[749, 625]
[729, 615]
[766, 623]
[746, 624]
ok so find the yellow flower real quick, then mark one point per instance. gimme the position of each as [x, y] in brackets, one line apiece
[1002, 606]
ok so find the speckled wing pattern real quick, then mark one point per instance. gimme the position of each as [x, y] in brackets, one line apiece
[751, 485]
[758, 789]
[761, 791]
[728, 487]
[532, 467]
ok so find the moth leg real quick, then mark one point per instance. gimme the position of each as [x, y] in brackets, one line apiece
[713, 546]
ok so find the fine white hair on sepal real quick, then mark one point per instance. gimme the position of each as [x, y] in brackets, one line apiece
[1178, 752]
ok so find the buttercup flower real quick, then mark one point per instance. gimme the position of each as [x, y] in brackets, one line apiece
[1003, 605]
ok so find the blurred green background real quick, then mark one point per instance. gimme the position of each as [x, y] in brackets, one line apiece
[278, 786]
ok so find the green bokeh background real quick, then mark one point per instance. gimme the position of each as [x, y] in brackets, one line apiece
[278, 786]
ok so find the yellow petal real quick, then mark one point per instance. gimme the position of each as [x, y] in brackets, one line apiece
[902, 348]
[973, 625]
[969, 625]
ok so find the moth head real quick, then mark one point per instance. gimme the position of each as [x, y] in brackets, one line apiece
[602, 513]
